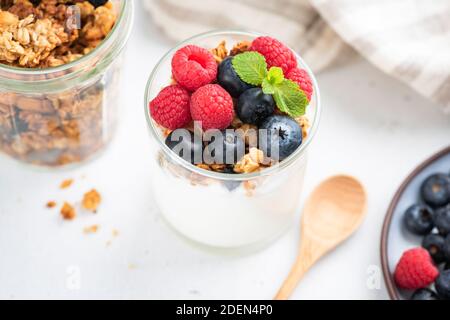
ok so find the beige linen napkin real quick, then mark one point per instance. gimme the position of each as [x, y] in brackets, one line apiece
[408, 39]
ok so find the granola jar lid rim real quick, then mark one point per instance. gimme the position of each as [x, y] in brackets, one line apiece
[154, 129]
[126, 10]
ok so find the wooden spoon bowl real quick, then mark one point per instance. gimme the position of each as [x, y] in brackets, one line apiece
[333, 213]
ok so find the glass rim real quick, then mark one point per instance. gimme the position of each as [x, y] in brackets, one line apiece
[107, 42]
[218, 175]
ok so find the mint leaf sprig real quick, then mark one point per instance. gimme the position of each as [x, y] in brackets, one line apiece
[251, 67]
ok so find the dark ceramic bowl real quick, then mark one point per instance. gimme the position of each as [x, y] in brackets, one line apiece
[394, 238]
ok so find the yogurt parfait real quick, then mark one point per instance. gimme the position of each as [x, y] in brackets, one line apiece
[231, 115]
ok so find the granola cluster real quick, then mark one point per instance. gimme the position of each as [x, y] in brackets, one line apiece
[52, 33]
[57, 128]
[52, 130]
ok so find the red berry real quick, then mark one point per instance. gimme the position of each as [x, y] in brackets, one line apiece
[302, 78]
[194, 67]
[170, 108]
[213, 107]
[276, 53]
[415, 270]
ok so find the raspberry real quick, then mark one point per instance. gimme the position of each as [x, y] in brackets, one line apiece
[302, 78]
[213, 106]
[194, 67]
[276, 53]
[415, 270]
[170, 108]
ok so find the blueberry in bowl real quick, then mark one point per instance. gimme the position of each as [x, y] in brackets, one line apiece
[224, 147]
[442, 220]
[186, 145]
[418, 219]
[283, 133]
[229, 79]
[434, 244]
[443, 285]
[424, 294]
[436, 190]
[447, 250]
[254, 106]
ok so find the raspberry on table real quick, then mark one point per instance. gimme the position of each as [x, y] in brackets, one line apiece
[213, 107]
[194, 67]
[170, 108]
[302, 78]
[276, 53]
[415, 270]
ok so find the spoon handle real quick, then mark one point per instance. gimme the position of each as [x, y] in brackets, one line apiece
[307, 257]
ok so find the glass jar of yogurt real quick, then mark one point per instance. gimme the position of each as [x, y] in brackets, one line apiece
[228, 211]
[60, 109]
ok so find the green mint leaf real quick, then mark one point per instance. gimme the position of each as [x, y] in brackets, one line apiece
[251, 67]
[290, 99]
[275, 76]
[267, 87]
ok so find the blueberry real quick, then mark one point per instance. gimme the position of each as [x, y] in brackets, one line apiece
[442, 220]
[424, 294]
[186, 145]
[418, 219]
[285, 132]
[436, 190]
[228, 147]
[254, 106]
[230, 185]
[442, 285]
[434, 243]
[447, 250]
[98, 3]
[229, 79]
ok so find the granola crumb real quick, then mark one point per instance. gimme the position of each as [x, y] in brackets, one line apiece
[68, 211]
[66, 184]
[220, 52]
[51, 204]
[92, 200]
[251, 162]
[91, 229]
[304, 123]
[203, 166]
[240, 48]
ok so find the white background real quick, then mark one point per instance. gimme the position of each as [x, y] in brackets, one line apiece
[372, 127]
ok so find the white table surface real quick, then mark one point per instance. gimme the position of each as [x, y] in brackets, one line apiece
[373, 127]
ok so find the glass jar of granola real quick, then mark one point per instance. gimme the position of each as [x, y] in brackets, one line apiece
[243, 209]
[59, 75]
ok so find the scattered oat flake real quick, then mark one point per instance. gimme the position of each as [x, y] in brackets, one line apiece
[115, 233]
[91, 229]
[92, 200]
[51, 204]
[68, 212]
[66, 184]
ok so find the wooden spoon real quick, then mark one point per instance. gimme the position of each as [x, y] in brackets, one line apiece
[333, 213]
